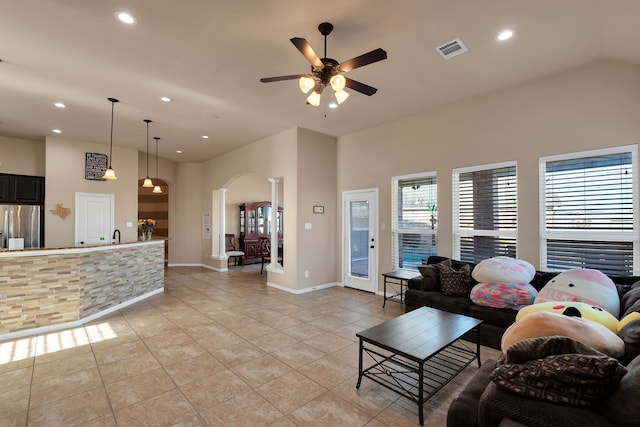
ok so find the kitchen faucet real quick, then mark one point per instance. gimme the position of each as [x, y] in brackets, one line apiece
[114, 235]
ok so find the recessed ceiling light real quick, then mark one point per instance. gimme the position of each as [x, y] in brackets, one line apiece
[56, 131]
[165, 99]
[205, 136]
[59, 105]
[505, 35]
[126, 18]
[179, 151]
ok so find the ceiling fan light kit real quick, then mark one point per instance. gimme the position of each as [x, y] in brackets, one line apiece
[328, 72]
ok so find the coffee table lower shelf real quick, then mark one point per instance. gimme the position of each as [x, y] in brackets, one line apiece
[416, 381]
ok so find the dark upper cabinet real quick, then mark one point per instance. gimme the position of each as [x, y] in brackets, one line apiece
[4, 188]
[22, 189]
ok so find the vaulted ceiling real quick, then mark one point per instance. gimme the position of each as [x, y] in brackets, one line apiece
[208, 57]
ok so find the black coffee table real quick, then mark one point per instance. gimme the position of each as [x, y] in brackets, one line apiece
[416, 354]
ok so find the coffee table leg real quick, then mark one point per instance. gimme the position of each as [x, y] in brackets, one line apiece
[421, 393]
[384, 293]
[360, 365]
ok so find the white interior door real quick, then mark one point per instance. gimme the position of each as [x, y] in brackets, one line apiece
[94, 218]
[360, 239]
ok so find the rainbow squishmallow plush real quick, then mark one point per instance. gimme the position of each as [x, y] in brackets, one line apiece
[575, 309]
[502, 269]
[582, 285]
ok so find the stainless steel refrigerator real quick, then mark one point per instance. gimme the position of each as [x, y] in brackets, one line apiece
[21, 221]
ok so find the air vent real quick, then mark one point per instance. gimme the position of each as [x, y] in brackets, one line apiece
[452, 48]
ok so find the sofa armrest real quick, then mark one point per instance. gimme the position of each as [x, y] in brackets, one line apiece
[417, 283]
[496, 404]
[463, 411]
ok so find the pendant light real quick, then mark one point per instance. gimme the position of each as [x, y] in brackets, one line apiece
[147, 181]
[109, 173]
[157, 188]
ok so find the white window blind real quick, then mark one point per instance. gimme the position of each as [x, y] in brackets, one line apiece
[485, 212]
[414, 219]
[588, 211]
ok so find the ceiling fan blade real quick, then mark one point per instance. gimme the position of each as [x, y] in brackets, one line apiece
[307, 51]
[360, 87]
[362, 60]
[281, 78]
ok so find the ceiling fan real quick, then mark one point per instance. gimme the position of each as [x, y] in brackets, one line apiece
[328, 72]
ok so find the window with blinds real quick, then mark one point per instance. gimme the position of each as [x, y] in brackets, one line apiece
[485, 212]
[587, 213]
[414, 219]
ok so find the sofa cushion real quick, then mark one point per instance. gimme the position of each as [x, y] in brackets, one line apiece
[621, 407]
[630, 301]
[455, 282]
[503, 317]
[630, 334]
[436, 299]
[559, 370]
[503, 295]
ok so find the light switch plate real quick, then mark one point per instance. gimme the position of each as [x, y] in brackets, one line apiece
[307, 226]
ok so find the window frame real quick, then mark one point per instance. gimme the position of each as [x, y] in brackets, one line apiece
[457, 232]
[579, 234]
[396, 228]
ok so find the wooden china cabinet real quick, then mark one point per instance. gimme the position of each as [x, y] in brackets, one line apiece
[255, 223]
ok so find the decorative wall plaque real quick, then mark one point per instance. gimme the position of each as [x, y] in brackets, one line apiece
[61, 211]
[94, 166]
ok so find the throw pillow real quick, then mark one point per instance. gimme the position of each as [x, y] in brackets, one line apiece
[455, 282]
[558, 370]
[503, 295]
[430, 277]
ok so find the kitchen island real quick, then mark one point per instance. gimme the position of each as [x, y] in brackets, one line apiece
[48, 289]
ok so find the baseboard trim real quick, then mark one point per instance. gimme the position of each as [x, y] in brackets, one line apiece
[302, 291]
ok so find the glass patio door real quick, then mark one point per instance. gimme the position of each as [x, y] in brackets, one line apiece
[359, 239]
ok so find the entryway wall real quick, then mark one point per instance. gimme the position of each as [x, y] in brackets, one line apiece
[155, 206]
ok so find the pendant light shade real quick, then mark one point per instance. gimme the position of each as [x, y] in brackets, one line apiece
[147, 181]
[157, 188]
[109, 173]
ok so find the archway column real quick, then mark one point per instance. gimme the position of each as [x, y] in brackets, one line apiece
[275, 265]
[222, 254]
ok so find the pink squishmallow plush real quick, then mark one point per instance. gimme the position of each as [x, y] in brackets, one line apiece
[502, 269]
[582, 285]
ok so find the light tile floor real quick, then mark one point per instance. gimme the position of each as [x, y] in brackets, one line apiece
[216, 349]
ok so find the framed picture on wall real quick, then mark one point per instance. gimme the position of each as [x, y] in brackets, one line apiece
[94, 166]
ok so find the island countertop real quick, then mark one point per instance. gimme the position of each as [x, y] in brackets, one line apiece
[72, 249]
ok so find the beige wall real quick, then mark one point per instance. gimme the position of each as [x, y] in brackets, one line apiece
[64, 176]
[316, 186]
[592, 107]
[22, 156]
[189, 207]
